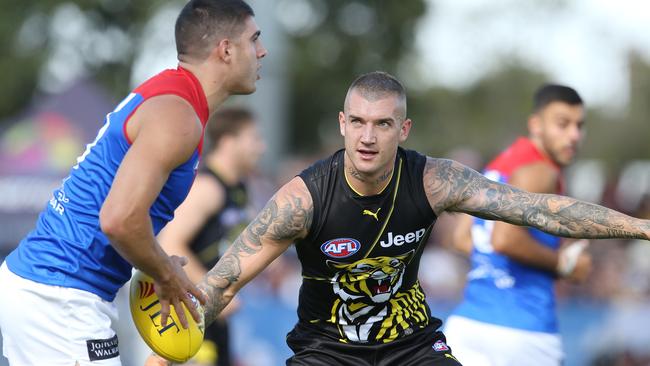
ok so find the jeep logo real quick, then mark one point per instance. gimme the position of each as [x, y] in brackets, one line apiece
[412, 237]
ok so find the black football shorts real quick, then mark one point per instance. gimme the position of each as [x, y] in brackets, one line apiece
[426, 347]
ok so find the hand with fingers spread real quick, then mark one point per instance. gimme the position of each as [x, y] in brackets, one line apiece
[177, 289]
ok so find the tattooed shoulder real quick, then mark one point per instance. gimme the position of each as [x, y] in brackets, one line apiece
[290, 212]
[447, 182]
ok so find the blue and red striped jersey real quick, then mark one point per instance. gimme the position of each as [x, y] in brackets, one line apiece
[67, 247]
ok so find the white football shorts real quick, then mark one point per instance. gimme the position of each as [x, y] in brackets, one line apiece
[52, 325]
[476, 343]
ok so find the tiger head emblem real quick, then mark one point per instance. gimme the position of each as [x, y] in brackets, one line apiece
[369, 280]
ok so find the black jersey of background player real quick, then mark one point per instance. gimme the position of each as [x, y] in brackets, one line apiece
[222, 228]
[360, 260]
[217, 233]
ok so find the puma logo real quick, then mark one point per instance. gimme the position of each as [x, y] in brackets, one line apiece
[373, 214]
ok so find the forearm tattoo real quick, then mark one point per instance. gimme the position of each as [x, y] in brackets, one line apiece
[275, 224]
[454, 187]
[447, 184]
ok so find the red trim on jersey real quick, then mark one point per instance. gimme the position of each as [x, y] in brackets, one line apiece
[200, 103]
[182, 83]
[201, 109]
[523, 152]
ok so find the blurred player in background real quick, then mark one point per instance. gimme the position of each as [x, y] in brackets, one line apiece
[508, 312]
[58, 286]
[360, 219]
[215, 211]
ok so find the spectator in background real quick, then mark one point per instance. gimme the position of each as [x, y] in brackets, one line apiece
[508, 312]
[215, 212]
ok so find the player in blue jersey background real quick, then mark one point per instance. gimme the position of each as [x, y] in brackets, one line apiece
[508, 313]
[58, 285]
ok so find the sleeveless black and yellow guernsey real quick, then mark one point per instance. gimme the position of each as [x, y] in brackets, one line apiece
[361, 257]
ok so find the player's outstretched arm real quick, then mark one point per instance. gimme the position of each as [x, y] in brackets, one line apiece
[286, 217]
[452, 186]
[516, 242]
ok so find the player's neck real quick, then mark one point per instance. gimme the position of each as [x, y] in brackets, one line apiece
[365, 184]
[224, 166]
[212, 84]
[539, 145]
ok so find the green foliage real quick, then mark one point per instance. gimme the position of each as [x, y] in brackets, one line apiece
[327, 59]
[19, 70]
[486, 117]
[348, 38]
[619, 136]
[25, 32]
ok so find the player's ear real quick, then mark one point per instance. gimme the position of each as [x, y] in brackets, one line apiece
[534, 124]
[223, 50]
[342, 123]
[405, 129]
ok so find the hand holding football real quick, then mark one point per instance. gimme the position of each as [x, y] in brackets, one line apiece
[172, 341]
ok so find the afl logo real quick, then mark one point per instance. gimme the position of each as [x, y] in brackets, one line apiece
[341, 247]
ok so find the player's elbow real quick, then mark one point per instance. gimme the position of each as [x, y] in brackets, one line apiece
[113, 223]
[110, 223]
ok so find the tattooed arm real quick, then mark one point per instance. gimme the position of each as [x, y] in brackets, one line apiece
[451, 186]
[285, 218]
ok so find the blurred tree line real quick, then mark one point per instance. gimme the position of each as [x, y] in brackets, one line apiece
[28, 35]
[351, 37]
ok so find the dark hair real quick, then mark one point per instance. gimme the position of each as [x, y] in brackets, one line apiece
[377, 84]
[227, 122]
[201, 23]
[549, 93]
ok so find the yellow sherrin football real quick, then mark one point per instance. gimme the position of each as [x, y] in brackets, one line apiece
[172, 341]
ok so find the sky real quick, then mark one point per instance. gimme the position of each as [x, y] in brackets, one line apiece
[583, 43]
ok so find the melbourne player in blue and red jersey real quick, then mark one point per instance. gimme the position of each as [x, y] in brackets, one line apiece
[59, 283]
[507, 316]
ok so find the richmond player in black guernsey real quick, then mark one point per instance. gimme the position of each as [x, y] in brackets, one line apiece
[359, 220]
